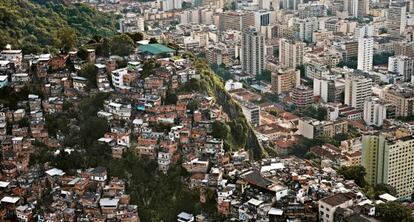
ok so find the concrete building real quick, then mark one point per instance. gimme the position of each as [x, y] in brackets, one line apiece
[356, 8]
[402, 99]
[239, 21]
[357, 89]
[253, 52]
[285, 80]
[388, 158]
[261, 18]
[316, 70]
[328, 206]
[304, 28]
[14, 56]
[168, 5]
[375, 111]
[312, 128]
[290, 53]
[404, 48]
[252, 113]
[351, 49]
[351, 7]
[365, 53]
[329, 90]
[402, 65]
[218, 54]
[396, 19]
[302, 96]
[363, 8]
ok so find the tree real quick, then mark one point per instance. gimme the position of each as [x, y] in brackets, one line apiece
[356, 173]
[103, 47]
[147, 68]
[351, 62]
[194, 85]
[170, 98]
[136, 36]
[380, 189]
[220, 130]
[381, 58]
[316, 112]
[122, 45]
[193, 105]
[302, 70]
[186, 5]
[266, 75]
[239, 131]
[304, 144]
[89, 71]
[153, 41]
[273, 113]
[221, 71]
[393, 211]
[66, 39]
[82, 53]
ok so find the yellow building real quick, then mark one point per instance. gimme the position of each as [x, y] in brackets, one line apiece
[388, 158]
[284, 80]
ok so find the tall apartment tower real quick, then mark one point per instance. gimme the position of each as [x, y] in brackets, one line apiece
[403, 65]
[397, 19]
[351, 6]
[375, 111]
[253, 52]
[388, 158]
[290, 53]
[231, 20]
[357, 89]
[363, 8]
[365, 48]
[305, 28]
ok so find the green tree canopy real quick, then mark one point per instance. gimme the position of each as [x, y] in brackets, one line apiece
[266, 75]
[220, 130]
[136, 36]
[316, 112]
[392, 211]
[356, 173]
[66, 39]
[153, 41]
[89, 71]
[122, 45]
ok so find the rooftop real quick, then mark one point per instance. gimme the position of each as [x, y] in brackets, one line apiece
[336, 199]
[155, 49]
[55, 172]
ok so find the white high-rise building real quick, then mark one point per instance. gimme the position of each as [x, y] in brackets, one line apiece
[365, 47]
[253, 52]
[261, 18]
[290, 53]
[403, 65]
[364, 31]
[141, 24]
[375, 111]
[305, 28]
[365, 53]
[357, 89]
[168, 5]
[351, 6]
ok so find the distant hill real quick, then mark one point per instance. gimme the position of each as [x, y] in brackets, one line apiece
[33, 24]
